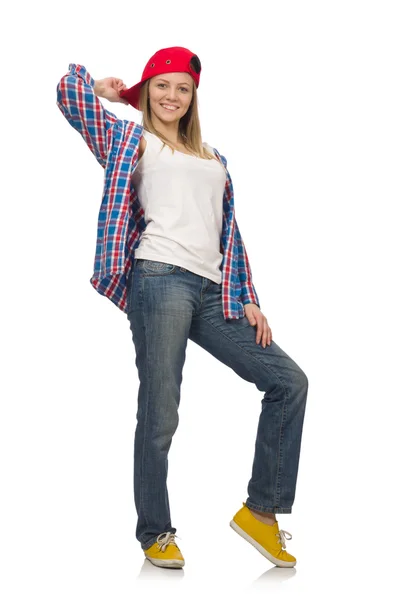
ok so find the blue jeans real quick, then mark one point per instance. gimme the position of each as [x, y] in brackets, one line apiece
[166, 306]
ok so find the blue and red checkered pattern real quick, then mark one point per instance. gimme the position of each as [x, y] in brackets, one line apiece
[115, 144]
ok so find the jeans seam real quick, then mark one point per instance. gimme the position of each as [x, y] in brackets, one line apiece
[280, 451]
[146, 413]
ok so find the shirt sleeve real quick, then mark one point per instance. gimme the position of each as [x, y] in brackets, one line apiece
[84, 111]
[248, 292]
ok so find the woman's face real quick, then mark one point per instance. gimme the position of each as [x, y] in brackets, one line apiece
[170, 89]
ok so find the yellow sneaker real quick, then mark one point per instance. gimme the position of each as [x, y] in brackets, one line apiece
[268, 539]
[165, 553]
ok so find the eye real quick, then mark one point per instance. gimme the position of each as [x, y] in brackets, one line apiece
[182, 88]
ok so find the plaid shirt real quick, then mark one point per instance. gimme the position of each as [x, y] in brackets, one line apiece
[115, 144]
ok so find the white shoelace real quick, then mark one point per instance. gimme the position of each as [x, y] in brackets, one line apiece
[282, 535]
[169, 538]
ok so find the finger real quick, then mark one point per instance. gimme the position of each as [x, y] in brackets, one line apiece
[259, 331]
[269, 336]
[265, 335]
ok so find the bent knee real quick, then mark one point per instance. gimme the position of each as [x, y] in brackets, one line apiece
[303, 380]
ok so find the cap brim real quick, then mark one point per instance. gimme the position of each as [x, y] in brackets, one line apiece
[132, 95]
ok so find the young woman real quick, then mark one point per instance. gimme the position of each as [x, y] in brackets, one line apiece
[170, 255]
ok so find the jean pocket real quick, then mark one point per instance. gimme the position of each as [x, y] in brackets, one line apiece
[241, 322]
[149, 268]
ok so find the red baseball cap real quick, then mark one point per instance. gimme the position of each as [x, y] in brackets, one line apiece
[167, 60]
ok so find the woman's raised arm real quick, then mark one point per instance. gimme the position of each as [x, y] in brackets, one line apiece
[77, 99]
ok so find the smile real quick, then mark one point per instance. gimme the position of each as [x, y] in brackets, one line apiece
[169, 107]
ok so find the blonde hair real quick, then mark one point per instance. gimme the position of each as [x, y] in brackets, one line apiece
[189, 125]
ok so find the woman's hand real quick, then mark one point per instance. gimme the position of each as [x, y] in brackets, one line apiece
[109, 88]
[255, 317]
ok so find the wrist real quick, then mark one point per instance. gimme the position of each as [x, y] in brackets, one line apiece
[98, 88]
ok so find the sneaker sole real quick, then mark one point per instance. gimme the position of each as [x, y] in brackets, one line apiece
[262, 550]
[169, 563]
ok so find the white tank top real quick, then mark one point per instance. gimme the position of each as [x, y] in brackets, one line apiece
[182, 199]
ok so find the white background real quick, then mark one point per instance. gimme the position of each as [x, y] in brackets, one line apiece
[301, 99]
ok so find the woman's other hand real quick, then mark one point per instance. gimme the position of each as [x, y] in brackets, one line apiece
[109, 88]
[255, 317]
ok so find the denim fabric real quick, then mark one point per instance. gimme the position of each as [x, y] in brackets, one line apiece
[166, 306]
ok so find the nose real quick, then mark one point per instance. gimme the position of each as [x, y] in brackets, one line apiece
[171, 94]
